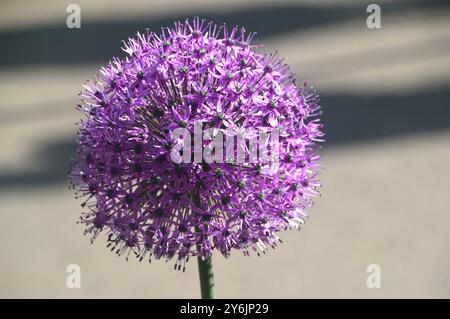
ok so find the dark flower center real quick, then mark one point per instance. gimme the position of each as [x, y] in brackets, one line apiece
[169, 146]
[101, 167]
[98, 223]
[156, 179]
[206, 217]
[179, 169]
[128, 199]
[158, 212]
[160, 159]
[268, 68]
[110, 193]
[184, 69]
[219, 172]
[92, 189]
[138, 148]
[158, 112]
[141, 75]
[273, 104]
[138, 168]
[131, 242]
[114, 171]
[225, 200]
[183, 124]
[201, 184]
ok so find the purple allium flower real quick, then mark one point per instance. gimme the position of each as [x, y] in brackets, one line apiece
[151, 206]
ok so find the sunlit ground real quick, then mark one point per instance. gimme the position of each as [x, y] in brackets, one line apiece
[385, 199]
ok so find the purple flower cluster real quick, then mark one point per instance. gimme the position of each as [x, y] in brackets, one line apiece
[155, 208]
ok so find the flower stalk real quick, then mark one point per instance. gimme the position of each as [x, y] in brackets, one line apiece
[206, 274]
[205, 267]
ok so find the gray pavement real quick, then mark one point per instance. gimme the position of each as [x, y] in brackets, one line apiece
[385, 198]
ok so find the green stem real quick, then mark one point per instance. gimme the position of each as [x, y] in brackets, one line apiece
[206, 273]
[205, 268]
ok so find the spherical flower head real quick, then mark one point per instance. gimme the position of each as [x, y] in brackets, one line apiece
[154, 207]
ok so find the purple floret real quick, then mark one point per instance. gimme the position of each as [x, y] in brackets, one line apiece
[148, 204]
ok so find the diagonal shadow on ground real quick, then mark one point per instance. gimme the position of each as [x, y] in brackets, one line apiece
[99, 41]
[347, 119]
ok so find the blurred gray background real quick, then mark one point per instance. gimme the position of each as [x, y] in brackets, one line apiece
[386, 194]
